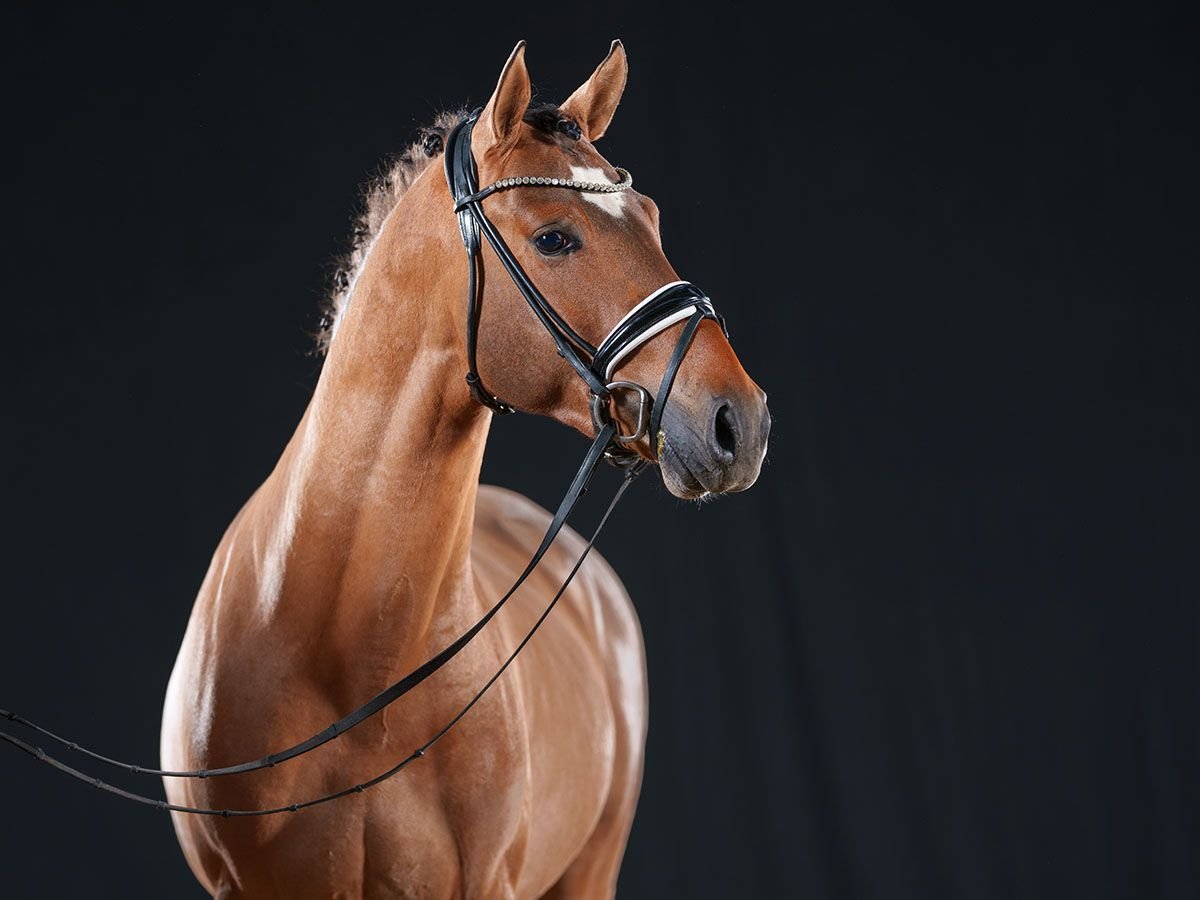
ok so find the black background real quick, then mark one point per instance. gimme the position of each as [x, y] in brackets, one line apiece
[949, 645]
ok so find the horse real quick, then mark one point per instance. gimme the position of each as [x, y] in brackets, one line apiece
[371, 545]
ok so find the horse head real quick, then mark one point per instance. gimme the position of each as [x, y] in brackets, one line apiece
[595, 256]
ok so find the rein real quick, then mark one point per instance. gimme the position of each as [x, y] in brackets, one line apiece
[371, 707]
[670, 304]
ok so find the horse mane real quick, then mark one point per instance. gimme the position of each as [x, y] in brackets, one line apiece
[384, 192]
[378, 199]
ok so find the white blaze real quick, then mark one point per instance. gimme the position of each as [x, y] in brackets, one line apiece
[613, 204]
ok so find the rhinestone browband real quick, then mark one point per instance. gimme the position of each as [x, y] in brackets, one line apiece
[593, 187]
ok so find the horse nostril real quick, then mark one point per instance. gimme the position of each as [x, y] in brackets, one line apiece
[724, 434]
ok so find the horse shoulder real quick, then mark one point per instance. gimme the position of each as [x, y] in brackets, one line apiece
[508, 528]
[585, 673]
[596, 610]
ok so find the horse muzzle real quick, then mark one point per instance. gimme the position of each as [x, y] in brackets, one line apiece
[713, 446]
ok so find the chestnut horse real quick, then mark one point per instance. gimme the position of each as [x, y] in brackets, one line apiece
[371, 546]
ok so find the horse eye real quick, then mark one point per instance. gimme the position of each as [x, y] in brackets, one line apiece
[549, 243]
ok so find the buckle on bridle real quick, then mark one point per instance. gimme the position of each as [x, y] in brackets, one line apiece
[602, 414]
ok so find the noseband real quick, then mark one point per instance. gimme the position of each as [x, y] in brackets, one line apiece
[678, 301]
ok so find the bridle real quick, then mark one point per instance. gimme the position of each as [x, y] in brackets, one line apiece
[673, 302]
[676, 302]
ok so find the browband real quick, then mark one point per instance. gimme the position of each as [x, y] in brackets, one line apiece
[591, 187]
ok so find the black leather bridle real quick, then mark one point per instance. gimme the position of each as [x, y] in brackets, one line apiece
[670, 304]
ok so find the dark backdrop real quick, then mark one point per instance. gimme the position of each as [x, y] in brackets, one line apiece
[948, 645]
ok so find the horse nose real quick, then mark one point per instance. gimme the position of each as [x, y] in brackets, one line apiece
[736, 436]
[723, 432]
[716, 448]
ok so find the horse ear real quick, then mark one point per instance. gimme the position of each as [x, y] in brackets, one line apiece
[594, 103]
[501, 118]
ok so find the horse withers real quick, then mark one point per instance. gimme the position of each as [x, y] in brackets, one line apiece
[371, 546]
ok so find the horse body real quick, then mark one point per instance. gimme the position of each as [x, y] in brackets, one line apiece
[371, 546]
[542, 773]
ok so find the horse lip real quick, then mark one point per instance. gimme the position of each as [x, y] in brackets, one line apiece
[687, 479]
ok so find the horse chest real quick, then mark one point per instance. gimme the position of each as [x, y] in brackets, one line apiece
[508, 795]
[462, 818]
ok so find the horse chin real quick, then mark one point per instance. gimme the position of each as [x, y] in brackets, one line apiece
[683, 488]
[680, 480]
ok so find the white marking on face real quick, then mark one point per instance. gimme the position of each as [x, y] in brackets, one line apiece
[613, 204]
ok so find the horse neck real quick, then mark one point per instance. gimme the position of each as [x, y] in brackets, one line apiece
[373, 501]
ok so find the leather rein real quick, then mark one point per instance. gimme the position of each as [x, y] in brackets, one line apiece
[670, 304]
